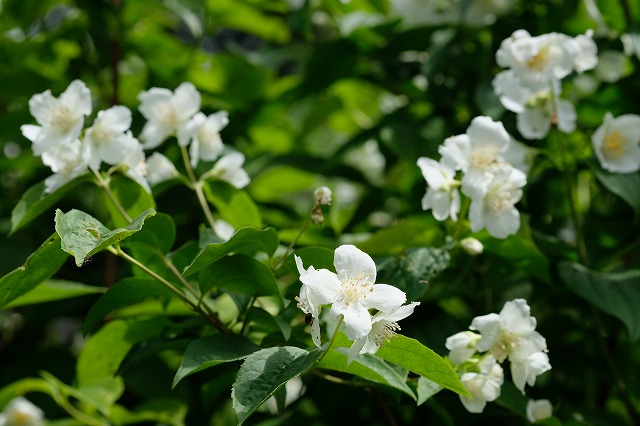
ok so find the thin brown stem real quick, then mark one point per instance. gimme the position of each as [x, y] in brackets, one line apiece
[197, 187]
[105, 185]
[293, 243]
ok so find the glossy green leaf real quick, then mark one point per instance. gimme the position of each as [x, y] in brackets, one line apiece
[104, 351]
[368, 367]
[624, 185]
[51, 290]
[234, 205]
[617, 294]
[124, 293]
[242, 274]
[41, 265]
[245, 240]
[318, 257]
[82, 235]
[263, 372]
[35, 201]
[133, 198]
[411, 271]
[413, 232]
[415, 357]
[210, 351]
[158, 231]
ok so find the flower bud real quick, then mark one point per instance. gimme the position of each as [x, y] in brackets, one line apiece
[539, 410]
[322, 196]
[472, 246]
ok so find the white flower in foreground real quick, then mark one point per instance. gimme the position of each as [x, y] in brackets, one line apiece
[510, 333]
[617, 143]
[384, 326]
[352, 291]
[462, 346]
[472, 246]
[229, 169]
[476, 153]
[495, 211]
[66, 163]
[106, 140]
[309, 302]
[442, 195]
[204, 133]
[21, 412]
[484, 386]
[160, 169]
[60, 119]
[539, 410]
[167, 113]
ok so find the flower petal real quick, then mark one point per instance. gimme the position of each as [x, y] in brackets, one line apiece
[385, 298]
[324, 284]
[353, 263]
[489, 327]
[357, 319]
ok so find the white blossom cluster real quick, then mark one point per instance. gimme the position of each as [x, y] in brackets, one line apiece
[70, 150]
[352, 293]
[532, 83]
[477, 356]
[488, 179]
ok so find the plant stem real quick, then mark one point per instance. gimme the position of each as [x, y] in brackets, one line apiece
[105, 185]
[333, 338]
[197, 187]
[293, 243]
[461, 217]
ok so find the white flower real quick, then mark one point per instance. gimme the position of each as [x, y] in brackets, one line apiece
[510, 334]
[223, 229]
[442, 194]
[309, 302]
[204, 133]
[495, 211]
[61, 119]
[462, 346]
[535, 121]
[539, 410]
[617, 143]
[352, 291]
[135, 161]
[471, 246]
[476, 153]
[105, 140]
[553, 56]
[167, 113]
[66, 163]
[526, 371]
[384, 326]
[322, 196]
[229, 169]
[160, 169]
[484, 386]
[21, 412]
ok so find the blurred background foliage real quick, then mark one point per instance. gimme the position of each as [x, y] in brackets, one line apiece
[346, 94]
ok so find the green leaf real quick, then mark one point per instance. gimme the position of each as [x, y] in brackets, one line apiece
[82, 235]
[21, 387]
[519, 249]
[35, 201]
[242, 274]
[124, 293]
[245, 240]
[411, 271]
[624, 185]
[263, 372]
[234, 205]
[414, 356]
[104, 351]
[617, 294]
[264, 320]
[318, 257]
[41, 265]
[368, 367]
[426, 389]
[51, 290]
[413, 232]
[158, 231]
[132, 197]
[212, 350]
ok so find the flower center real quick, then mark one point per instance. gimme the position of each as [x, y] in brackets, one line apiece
[613, 145]
[499, 200]
[61, 118]
[540, 60]
[383, 331]
[483, 157]
[357, 288]
[508, 341]
[19, 419]
[303, 305]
